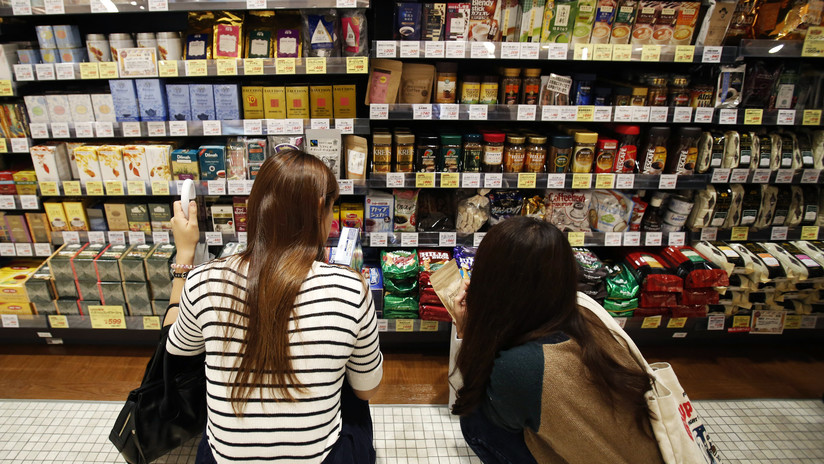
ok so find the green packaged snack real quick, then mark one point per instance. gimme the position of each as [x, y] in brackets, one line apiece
[622, 313]
[620, 305]
[400, 307]
[399, 264]
[400, 286]
[621, 284]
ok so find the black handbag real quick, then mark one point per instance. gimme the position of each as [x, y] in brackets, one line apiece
[167, 410]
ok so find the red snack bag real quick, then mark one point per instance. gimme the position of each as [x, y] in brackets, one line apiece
[702, 296]
[658, 300]
[647, 312]
[435, 313]
[697, 271]
[648, 269]
[429, 297]
[690, 311]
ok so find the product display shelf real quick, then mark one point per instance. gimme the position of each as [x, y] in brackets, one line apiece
[139, 237]
[537, 181]
[25, 250]
[746, 234]
[25, 7]
[196, 68]
[553, 51]
[15, 145]
[771, 49]
[250, 127]
[18, 202]
[765, 176]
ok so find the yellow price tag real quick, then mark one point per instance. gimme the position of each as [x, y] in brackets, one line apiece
[753, 116]
[450, 180]
[136, 187]
[114, 187]
[581, 181]
[72, 188]
[316, 65]
[107, 317]
[5, 88]
[160, 187]
[582, 52]
[622, 52]
[93, 188]
[813, 42]
[739, 234]
[527, 180]
[285, 66]
[167, 68]
[809, 233]
[61, 322]
[586, 113]
[811, 118]
[576, 239]
[604, 181]
[3, 147]
[196, 68]
[651, 322]
[404, 325]
[357, 65]
[226, 67]
[49, 189]
[651, 53]
[253, 66]
[151, 323]
[684, 53]
[792, 321]
[89, 71]
[425, 180]
[429, 326]
[107, 69]
[602, 52]
[739, 322]
[677, 323]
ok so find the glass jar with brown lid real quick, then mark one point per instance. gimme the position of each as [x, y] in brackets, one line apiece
[679, 94]
[657, 94]
[531, 93]
[510, 86]
[535, 154]
[514, 153]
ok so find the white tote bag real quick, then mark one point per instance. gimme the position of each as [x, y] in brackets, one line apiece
[680, 433]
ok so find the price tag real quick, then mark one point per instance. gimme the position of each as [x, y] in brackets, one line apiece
[478, 112]
[581, 181]
[243, 237]
[667, 181]
[785, 117]
[429, 326]
[160, 187]
[24, 72]
[314, 65]
[568, 113]
[658, 114]
[7, 249]
[227, 67]
[130, 129]
[550, 113]
[581, 52]
[602, 52]
[784, 176]
[613, 239]
[107, 317]
[71, 188]
[555, 181]
[602, 114]
[178, 128]
[19, 145]
[728, 116]
[160, 237]
[42, 249]
[137, 238]
[158, 5]
[682, 115]
[48, 188]
[811, 118]
[255, 4]
[778, 233]
[212, 128]
[346, 186]
[586, 113]
[434, 50]
[684, 53]
[195, 68]
[477, 238]
[810, 176]
[84, 130]
[709, 234]
[255, 126]
[383, 325]
[64, 71]
[753, 116]
[167, 68]
[456, 49]
[10, 321]
[527, 112]
[386, 49]
[640, 113]
[447, 239]
[449, 111]
[813, 42]
[720, 176]
[395, 180]
[345, 126]
[450, 180]
[604, 181]
[792, 321]
[7, 202]
[651, 322]
[216, 187]
[214, 239]
[809, 233]
[715, 322]
[471, 180]
[425, 180]
[54, 7]
[114, 187]
[136, 187]
[676, 239]
[236, 187]
[404, 325]
[703, 115]
[378, 111]
[357, 65]
[739, 234]
[21, 8]
[39, 130]
[621, 321]
[254, 66]
[93, 188]
[651, 53]
[622, 52]
[576, 239]
[409, 239]
[761, 176]
[527, 180]
[58, 322]
[422, 111]
[632, 239]
[808, 322]
[677, 323]
[712, 55]
[482, 50]
[741, 322]
[151, 323]
[377, 239]
[97, 237]
[285, 66]
[71, 237]
[410, 49]
[493, 180]
[28, 202]
[557, 51]
[623, 114]
[739, 176]
[107, 69]
[530, 50]
[158, 128]
[653, 239]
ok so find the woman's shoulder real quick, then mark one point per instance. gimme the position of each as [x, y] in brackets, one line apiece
[327, 272]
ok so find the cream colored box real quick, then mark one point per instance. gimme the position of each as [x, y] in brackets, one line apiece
[88, 167]
[81, 107]
[56, 216]
[110, 158]
[70, 147]
[103, 107]
[76, 215]
[116, 216]
[59, 109]
[157, 160]
[51, 162]
[135, 162]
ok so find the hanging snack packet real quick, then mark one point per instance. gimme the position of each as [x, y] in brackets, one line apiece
[353, 32]
[473, 213]
[320, 36]
[431, 260]
[406, 208]
[228, 35]
[701, 296]
[465, 259]
[567, 210]
[621, 308]
[621, 284]
[504, 204]
[609, 211]
[815, 270]
[650, 271]
[399, 264]
[534, 207]
[696, 270]
[718, 257]
[658, 300]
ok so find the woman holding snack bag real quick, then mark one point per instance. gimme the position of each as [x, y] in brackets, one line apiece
[544, 379]
[291, 344]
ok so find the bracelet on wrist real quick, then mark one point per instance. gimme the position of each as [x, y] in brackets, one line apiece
[180, 275]
[185, 267]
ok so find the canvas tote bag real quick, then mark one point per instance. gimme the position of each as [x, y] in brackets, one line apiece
[681, 435]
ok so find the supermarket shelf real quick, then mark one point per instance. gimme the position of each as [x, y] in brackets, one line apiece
[140, 6]
[158, 129]
[744, 234]
[15, 145]
[771, 49]
[697, 329]
[765, 176]
[137, 237]
[536, 180]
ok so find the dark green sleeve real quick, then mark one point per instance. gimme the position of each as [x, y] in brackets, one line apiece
[513, 398]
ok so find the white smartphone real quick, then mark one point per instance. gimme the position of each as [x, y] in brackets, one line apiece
[187, 194]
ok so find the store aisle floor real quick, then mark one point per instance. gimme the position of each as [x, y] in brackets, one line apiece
[751, 431]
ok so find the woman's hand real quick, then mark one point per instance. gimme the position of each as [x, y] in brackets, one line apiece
[459, 308]
[186, 233]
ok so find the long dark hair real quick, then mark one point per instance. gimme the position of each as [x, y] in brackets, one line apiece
[523, 288]
[285, 236]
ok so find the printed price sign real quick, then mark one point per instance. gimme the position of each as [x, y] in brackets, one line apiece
[84, 130]
[96, 236]
[254, 127]
[425, 180]
[107, 69]
[779, 233]
[613, 239]
[345, 125]
[651, 322]
[158, 5]
[530, 50]
[792, 321]
[471, 180]
[136, 187]
[568, 113]
[785, 117]
[410, 49]
[739, 176]
[784, 176]
[527, 180]
[623, 114]
[404, 325]
[450, 180]
[71, 188]
[581, 181]
[712, 55]
[676, 239]
[158, 128]
[10, 321]
[130, 129]
[58, 322]
[808, 322]
[45, 72]
[422, 111]
[527, 112]
[720, 176]
[622, 52]
[285, 66]
[178, 128]
[227, 67]
[196, 68]
[93, 188]
[212, 128]
[653, 239]
[48, 188]
[585, 113]
[214, 239]
[447, 239]
[117, 237]
[137, 238]
[478, 112]
[684, 53]
[640, 113]
[550, 113]
[386, 49]
[709, 234]
[357, 65]
[167, 68]
[64, 71]
[602, 52]
[383, 325]
[28, 202]
[576, 239]
[456, 49]
[555, 181]
[71, 237]
[236, 187]
[557, 51]
[477, 238]
[7, 249]
[429, 326]
[254, 66]
[813, 42]
[728, 116]
[22, 73]
[378, 111]
[346, 186]
[658, 114]
[667, 181]
[7, 202]
[315, 65]
[107, 317]
[482, 50]
[761, 176]
[811, 118]
[809, 233]
[151, 323]
[42, 249]
[582, 52]
[114, 187]
[409, 239]
[21, 7]
[602, 114]
[395, 180]
[434, 50]
[509, 50]
[677, 323]
[493, 180]
[715, 322]
[703, 115]
[753, 116]
[216, 187]
[160, 187]
[810, 176]
[651, 53]
[682, 115]
[449, 111]
[19, 145]
[739, 234]
[54, 7]
[377, 239]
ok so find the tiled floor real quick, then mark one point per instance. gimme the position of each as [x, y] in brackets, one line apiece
[767, 431]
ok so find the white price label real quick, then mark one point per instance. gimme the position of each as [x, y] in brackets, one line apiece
[709, 234]
[160, 236]
[676, 239]
[275, 126]
[216, 187]
[482, 50]
[550, 113]
[471, 180]
[477, 238]
[24, 249]
[603, 114]
[739, 176]
[511, 50]
[395, 180]
[23, 72]
[555, 181]
[658, 114]
[568, 113]
[632, 239]
[623, 114]
[105, 129]
[21, 7]
[84, 130]
[527, 112]
[98, 6]
[779, 233]
[158, 5]
[212, 128]
[447, 239]
[434, 50]
[784, 176]
[808, 322]
[377, 239]
[247, 186]
[613, 239]
[19, 145]
[28, 202]
[10, 321]
[96, 236]
[679, 335]
[158, 128]
[640, 113]
[720, 176]
[117, 237]
[253, 127]
[667, 181]
[346, 4]
[625, 181]
[236, 187]
[557, 51]
[409, 239]
[703, 115]
[715, 322]
[653, 239]
[39, 130]
[345, 126]
[137, 238]
[682, 115]
[42, 249]
[214, 238]
[761, 176]
[386, 49]
[243, 237]
[621, 321]
[255, 4]
[530, 50]
[422, 111]
[60, 130]
[712, 54]
[728, 116]
[64, 71]
[493, 180]
[45, 71]
[132, 129]
[7, 202]
[478, 112]
[319, 124]
[810, 176]
[410, 49]
[71, 237]
[449, 111]
[178, 128]
[7, 249]
[786, 117]
[54, 7]
[456, 49]
[346, 186]
[379, 111]
[383, 325]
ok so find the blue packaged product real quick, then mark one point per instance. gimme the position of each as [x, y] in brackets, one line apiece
[202, 102]
[583, 88]
[177, 101]
[320, 34]
[124, 98]
[67, 36]
[212, 159]
[152, 99]
[408, 21]
[227, 102]
[28, 56]
[197, 46]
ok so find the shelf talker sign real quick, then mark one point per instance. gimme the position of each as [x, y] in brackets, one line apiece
[107, 317]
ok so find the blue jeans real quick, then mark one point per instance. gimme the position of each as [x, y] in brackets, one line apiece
[493, 444]
[354, 446]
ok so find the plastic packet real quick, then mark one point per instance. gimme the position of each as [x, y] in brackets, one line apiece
[320, 33]
[406, 209]
[650, 271]
[504, 204]
[399, 264]
[353, 32]
[473, 213]
[696, 270]
[621, 284]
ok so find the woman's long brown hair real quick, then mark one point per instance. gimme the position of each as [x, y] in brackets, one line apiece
[291, 197]
[523, 288]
